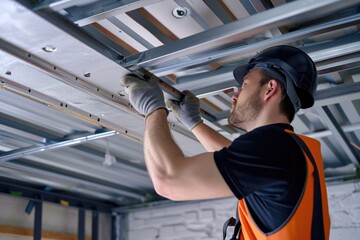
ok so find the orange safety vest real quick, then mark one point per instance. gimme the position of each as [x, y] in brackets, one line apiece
[299, 224]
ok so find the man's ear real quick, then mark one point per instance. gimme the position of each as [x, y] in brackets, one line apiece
[272, 87]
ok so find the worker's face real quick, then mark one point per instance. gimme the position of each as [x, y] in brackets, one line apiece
[246, 102]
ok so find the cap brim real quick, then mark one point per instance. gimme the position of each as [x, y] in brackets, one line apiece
[239, 72]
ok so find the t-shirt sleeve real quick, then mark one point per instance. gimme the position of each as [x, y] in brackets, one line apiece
[253, 162]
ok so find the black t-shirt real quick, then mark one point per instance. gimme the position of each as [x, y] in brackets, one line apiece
[267, 168]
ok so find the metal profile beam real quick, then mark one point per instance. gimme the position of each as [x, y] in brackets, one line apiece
[38, 220]
[115, 227]
[338, 134]
[78, 33]
[65, 77]
[53, 103]
[81, 224]
[257, 46]
[68, 27]
[95, 226]
[203, 83]
[340, 64]
[341, 93]
[59, 4]
[294, 12]
[19, 153]
[218, 11]
[328, 133]
[81, 186]
[105, 12]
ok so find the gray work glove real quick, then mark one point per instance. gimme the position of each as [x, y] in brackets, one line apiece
[145, 96]
[187, 110]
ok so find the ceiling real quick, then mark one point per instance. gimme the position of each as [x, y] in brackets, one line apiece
[65, 122]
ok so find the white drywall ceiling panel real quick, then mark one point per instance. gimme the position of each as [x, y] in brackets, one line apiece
[237, 8]
[204, 11]
[140, 30]
[182, 28]
[32, 33]
[122, 35]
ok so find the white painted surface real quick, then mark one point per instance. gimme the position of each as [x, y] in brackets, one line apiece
[180, 27]
[199, 221]
[192, 221]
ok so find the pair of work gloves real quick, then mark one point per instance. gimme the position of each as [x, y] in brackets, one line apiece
[146, 96]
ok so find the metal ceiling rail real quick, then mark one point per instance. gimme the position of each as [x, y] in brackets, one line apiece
[59, 4]
[65, 77]
[329, 66]
[23, 135]
[126, 165]
[76, 184]
[337, 94]
[257, 46]
[220, 77]
[293, 12]
[34, 95]
[105, 12]
[19, 153]
[202, 83]
[327, 133]
[338, 134]
[345, 46]
[76, 32]
[60, 22]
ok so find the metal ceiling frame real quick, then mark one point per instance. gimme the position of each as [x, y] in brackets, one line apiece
[105, 12]
[285, 14]
[219, 35]
[204, 82]
[67, 108]
[65, 77]
[159, 60]
[339, 134]
[122, 191]
[244, 50]
[60, 143]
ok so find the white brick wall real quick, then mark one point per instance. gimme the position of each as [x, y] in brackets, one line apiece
[204, 220]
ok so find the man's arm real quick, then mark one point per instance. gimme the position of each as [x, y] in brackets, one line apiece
[209, 138]
[175, 176]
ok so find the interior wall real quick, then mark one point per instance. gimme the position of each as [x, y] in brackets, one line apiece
[204, 220]
[190, 221]
[56, 218]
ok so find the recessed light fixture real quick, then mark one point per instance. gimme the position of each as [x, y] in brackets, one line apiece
[49, 48]
[181, 12]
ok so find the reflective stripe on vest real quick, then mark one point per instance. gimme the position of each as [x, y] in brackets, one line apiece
[299, 224]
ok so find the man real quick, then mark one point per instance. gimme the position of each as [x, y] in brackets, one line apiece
[276, 174]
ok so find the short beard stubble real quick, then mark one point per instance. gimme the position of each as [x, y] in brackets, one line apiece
[243, 114]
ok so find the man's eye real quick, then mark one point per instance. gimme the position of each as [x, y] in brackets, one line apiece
[243, 85]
